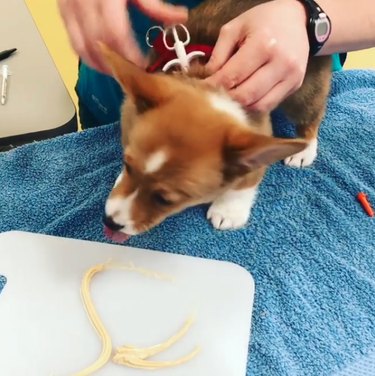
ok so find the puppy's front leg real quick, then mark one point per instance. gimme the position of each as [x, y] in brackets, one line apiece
[306, 108]
[307, 156]
[231, 210]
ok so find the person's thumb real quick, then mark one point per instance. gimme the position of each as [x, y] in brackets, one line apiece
[162, 12]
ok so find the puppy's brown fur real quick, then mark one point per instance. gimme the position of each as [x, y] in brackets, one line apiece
[209, 152]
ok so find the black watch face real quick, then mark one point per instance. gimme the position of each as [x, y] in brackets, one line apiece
[322, 29]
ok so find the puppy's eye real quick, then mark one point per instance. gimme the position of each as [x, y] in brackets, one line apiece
[128, 168]
[161, 200]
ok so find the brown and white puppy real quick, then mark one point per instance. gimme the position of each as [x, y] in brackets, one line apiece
[186, 143]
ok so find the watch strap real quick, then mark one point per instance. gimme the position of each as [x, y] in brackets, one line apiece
[314, 11]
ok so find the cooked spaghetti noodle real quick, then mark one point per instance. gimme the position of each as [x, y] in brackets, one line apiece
[127, 355]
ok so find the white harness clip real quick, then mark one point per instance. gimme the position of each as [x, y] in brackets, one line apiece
[183, 58]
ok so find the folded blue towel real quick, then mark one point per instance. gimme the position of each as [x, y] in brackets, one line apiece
[365, 366]
[309, 244]
[3, 281]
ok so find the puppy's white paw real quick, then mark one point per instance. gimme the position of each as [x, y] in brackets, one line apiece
[226, 218]
[232, 209]
[305, 157]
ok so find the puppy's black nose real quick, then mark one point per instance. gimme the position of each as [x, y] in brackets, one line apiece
[111, 224]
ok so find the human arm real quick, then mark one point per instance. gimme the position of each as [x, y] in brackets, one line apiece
[89, 21]
[273, 48]
[353, 25]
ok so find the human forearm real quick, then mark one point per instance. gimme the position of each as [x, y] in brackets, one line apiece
[353, 25]
[90, 21]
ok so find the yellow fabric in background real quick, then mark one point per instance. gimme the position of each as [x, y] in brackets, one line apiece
[47, 18]
[361, 59]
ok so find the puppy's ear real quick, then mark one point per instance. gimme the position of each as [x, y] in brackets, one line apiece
[245, 151]
[146, 90]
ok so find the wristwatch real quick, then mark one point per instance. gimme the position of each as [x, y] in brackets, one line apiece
[318, 25]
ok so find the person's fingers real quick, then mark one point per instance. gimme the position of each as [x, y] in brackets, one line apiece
[163, 12]
[74, 33]
[105, 21]
[255, 52]
[270, 85]
[259, 83]
[91, 31]
[238, 68]
[273, 98]
[71, 12]
[117, 32]
[78, 43]
[228, 41]
[292, 74]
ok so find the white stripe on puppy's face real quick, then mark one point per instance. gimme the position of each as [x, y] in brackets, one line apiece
[119, 209]
[222, 102]
[155, 161]
[118, 180]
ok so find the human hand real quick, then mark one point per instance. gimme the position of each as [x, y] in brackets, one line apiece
[261, 56]
[90, 21]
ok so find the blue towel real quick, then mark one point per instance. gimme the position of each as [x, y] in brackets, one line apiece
[365, 366]
[3, 281]
[309, 245]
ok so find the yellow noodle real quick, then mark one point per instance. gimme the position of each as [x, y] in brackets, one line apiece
[95, 322]
[130, 267]
[156, 349]
[128, 355]
[136, 362]
[135, 357]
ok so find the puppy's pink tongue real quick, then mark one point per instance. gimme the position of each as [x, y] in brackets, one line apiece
[116, 236]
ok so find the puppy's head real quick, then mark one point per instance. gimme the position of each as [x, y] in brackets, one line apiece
[187, 143]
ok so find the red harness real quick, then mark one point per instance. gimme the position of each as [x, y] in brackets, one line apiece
[165, 55]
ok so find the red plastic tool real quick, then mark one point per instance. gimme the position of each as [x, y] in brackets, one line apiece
[362, 198]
